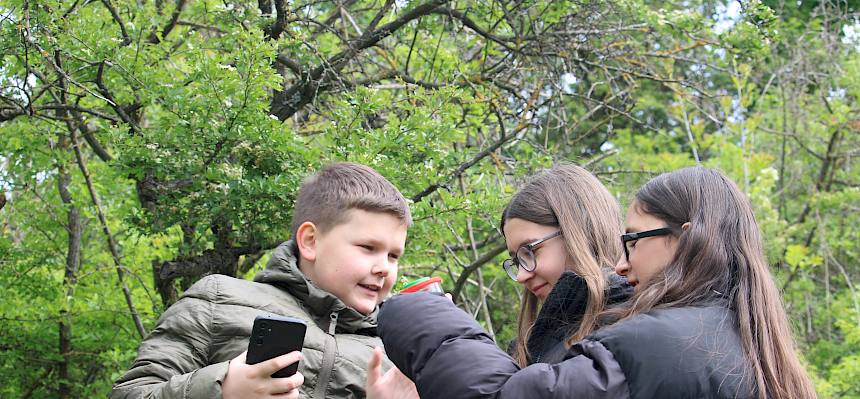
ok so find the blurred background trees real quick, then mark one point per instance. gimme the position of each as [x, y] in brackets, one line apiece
[144, 144]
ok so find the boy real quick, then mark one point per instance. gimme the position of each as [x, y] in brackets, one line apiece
[349, 229]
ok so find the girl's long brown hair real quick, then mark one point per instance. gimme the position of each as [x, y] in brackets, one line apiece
[571, 198]
[721, 254]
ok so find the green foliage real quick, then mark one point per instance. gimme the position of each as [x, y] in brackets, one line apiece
[201, 152]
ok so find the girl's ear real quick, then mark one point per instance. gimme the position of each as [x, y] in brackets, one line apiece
[306, 240]
[685, 226]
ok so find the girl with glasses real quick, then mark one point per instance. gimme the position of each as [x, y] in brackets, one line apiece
[705, 320]
[561, 230]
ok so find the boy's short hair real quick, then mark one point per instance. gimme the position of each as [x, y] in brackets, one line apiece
[325, 197]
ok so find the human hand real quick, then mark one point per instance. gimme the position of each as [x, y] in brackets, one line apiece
[392, 385]
[252, 381]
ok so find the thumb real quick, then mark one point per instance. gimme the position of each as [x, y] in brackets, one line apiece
[270, 366]
[374, 367]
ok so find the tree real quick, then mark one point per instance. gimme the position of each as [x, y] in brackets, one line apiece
[146, 144]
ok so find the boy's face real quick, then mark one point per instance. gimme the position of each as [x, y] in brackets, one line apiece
[355, 260]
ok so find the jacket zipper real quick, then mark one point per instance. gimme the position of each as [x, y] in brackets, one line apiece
[328, 359]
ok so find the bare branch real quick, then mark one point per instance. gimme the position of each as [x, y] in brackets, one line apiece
[174, 19]
[109, 99]
[504, 138]
[468, 270]
[467, 22]
[112, 245]
[94, 143]
[463, 167]
[126, 40]
[302, 93]
[200, 26]
[69, 107]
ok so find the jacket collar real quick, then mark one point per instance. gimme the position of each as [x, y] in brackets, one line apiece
[282, 270]
[562, 311]
[567, 301]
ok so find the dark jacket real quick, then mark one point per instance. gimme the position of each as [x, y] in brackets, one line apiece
[561, 314]
[688, 352]
[187, 354]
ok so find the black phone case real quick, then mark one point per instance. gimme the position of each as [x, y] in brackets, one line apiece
[273, 336]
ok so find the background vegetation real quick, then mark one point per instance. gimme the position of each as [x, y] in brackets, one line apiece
[144, 144]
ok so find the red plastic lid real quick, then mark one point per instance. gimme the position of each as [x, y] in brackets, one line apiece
[419, 286]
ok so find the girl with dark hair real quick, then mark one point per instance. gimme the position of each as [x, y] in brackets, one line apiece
[705, 321]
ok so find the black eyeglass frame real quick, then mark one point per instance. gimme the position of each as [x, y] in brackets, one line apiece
[511, 265]
[625, 238]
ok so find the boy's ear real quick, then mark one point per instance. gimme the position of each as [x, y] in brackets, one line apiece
[306, 240]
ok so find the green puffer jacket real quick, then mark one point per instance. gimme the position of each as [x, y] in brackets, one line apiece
[187, 354]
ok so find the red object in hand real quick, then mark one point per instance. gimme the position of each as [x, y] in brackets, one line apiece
[432, 284]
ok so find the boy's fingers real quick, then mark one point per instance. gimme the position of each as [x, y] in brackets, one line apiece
[284, 385]
[270, 366]
[374, 367]
[450, 298]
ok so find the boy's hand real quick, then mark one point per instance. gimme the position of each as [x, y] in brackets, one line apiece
[392, 385]
[255, 380]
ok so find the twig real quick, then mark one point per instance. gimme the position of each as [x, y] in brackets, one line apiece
[174, 19]
[303, 92]
[464, 276]
[200, 26]
[690, 136]
[111, 242]
[482, 299]
[487, 151]
[126, 40]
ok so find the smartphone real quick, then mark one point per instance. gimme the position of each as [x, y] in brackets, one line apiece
[273, 336]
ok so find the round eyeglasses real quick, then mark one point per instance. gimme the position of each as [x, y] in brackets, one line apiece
[525, 257]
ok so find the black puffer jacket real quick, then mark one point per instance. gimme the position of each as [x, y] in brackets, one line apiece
[689, 352]
[562, 312]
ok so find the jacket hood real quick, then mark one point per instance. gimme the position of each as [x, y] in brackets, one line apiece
[282, 270]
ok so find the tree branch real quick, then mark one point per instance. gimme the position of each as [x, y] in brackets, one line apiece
[467, 22]
[8, 114]
[70, 107]
[109, 99]
[305, 91]
[478, 245]
[274, 30]
[292, 64]
[70, 279]
[126, 40]
[462, 168]
[464, 275]
[174, 19]
[504, 138]
[822, 181]
[200, 26]
[112, 245]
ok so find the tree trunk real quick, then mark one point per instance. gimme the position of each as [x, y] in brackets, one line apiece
[73, 258]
